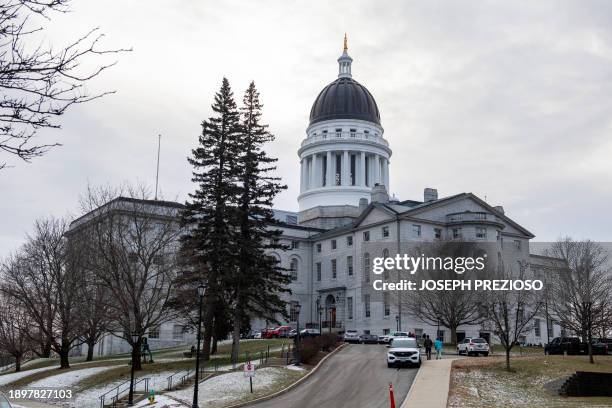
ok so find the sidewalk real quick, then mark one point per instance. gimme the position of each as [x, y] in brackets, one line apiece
[430, 387]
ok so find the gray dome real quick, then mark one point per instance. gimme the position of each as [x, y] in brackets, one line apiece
[345, 98]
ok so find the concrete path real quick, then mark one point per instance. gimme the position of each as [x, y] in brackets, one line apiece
[430, 387]
[356, 377]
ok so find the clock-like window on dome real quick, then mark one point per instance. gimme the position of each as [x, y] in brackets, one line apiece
[353, 132]
[339, 132]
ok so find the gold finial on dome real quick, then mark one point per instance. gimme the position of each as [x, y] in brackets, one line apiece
[345, 43]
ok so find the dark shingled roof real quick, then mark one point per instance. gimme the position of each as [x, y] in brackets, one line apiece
[345, 98]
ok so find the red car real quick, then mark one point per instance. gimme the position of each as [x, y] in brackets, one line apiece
[281, 331]
[267, 333]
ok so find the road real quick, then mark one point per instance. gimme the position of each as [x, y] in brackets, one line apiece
[355, 377]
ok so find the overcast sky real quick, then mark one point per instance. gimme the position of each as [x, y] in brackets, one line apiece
[509, 100]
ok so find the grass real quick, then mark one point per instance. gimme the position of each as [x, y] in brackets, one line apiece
[484, 382]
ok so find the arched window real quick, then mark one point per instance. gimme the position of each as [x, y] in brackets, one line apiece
[366, 267]
[385, 254]
[293, 266]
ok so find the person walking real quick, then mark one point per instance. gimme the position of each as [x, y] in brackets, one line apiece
[428, 343]
[438, 346]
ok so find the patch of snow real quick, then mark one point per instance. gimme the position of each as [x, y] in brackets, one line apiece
[90, 398]
[160, 401]
[9, 378]
[295, 368]
[70, 378]
[230, 387]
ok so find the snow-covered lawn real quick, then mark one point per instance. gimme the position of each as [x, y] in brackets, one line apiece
[160, 401]
[225, 388]
[91, 398]
[70, 378]
[9, 378]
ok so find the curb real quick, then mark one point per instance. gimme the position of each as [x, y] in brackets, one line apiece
[291, 386]
[405, 401]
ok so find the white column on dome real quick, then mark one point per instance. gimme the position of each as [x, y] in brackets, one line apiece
[330, 175]
[362, 169]
[386, 167]
[302, 176]
[313, 168]
[376, 167]
[345, 168]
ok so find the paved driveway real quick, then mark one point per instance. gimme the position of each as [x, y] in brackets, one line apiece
[355, 377]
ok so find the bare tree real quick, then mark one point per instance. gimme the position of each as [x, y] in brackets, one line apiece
[449, 309]
[582, 288]
[15, 323]
[510, 311]
[40, 83]
[132, 244]
[45, 282]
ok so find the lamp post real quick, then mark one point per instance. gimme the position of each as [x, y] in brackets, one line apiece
[201, 292]
[298, 358]
[135, 338]
[319, 311]
[397, 322]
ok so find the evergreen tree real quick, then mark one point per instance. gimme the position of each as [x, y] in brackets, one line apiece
[210, 241]
[258, 282]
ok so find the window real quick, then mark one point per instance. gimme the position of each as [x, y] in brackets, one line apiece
[154, 332]
[440, 335]
[386, 331]
[418, 333]
[293, 313]
[349, 241]
[325, 134]
[295, 244]
[353, 132]
[334, 244]
[338, 170]
[366, 304]
[334, 269]
[498, 235]
[416, 231]
[291, 219]
[293, 267]
[481, 233]
[318, 271]
[353, 169]
[517, 244]
[366, 235]
[339, 132]
[366, 267]
[366, 133]
[536, 327]
[385, 232]
[438, 233]
[177, 332]
[318, 247]
[456, 233]
[349, 265]
[386, 306]
[349, 308]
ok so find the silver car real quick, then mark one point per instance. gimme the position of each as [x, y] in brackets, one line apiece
[351, 336]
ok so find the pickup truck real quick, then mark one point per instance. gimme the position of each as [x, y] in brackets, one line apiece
[573, 345]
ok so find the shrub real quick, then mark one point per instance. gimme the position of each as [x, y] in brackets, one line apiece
[328, 341]
[309, 348]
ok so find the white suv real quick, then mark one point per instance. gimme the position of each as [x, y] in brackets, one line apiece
[351, 336]
[386, 338]
[403, 350]
[473, 346]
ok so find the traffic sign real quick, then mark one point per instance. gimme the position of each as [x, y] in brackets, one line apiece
[249, 369]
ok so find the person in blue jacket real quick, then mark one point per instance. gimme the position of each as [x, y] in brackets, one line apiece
[438, 346]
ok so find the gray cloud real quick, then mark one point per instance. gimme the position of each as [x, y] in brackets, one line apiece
[509, 100]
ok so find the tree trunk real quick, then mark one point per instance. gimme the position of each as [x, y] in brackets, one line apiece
[90, 349]
[507, 358]
[215, 340]
[136, 357]
[17, 364]
[63, 353]
[590, 345]
[454, 335]
[208, 329]
[236, 334]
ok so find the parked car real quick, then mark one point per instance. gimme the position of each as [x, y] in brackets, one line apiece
[4, 402]
[386, 338]
[281, 331]
[310, 332]
[573, 345]
[403, 351]
[351, 336]
[267, 333]
[473, 346]
[292, 333]
[367, 338]
[257, 335]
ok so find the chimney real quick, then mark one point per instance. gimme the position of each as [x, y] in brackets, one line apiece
[379, 194]
[499, 209]
[430, 194]
[363, 204]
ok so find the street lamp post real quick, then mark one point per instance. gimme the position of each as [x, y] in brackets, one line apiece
[201, 292]
[135, 338]
[298, 358]
[397, 322]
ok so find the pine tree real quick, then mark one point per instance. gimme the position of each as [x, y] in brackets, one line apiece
[209, 218]
[258, 282]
